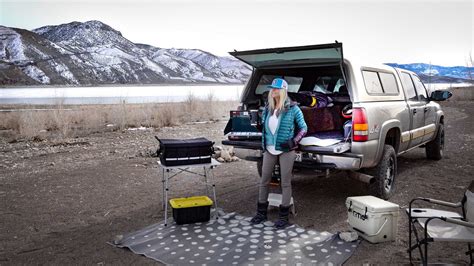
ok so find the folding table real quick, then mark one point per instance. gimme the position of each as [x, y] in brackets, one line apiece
[168, 172]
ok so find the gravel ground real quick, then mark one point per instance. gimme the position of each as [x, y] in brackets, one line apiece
[62, 201]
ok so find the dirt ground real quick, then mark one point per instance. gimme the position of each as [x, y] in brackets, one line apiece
[62, 201]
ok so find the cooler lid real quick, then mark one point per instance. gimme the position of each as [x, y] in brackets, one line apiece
[372, 203]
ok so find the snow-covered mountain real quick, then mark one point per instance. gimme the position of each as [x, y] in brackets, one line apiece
[93, 53]
[439, 74]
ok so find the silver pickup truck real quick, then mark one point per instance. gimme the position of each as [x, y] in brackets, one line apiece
[374, 113]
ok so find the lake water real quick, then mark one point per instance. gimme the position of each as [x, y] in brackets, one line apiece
[129, 94]
[112, 95]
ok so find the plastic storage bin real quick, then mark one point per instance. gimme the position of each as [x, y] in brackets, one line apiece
[191, 210]
[373, 218]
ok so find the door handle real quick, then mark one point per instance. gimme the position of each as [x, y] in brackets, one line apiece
[414, 111]
[425, 109]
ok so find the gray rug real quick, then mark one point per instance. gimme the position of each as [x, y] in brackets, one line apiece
[232, 240]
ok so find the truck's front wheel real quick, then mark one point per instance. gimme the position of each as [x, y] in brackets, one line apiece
[435, 148]
[384, 174]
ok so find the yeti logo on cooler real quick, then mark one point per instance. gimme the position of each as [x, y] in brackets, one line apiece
[359, 215]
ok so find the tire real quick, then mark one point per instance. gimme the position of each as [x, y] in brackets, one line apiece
[384, 174]
[435, 148]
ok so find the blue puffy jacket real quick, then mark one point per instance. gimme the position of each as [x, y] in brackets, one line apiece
[291, 115]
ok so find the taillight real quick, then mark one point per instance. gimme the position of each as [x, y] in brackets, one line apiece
[360, 126]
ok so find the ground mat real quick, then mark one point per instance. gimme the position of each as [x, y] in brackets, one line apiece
[233, 240]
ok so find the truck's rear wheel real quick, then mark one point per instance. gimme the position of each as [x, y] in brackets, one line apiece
[384, 174]
[435, 148]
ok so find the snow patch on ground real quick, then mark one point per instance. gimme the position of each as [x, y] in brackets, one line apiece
[11, 46]
[107, 60]
[36, 74]
[113, 51]
[152, 65]
[64, 71]
[39, 52]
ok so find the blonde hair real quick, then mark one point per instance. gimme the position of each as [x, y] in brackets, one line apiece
[281, 103]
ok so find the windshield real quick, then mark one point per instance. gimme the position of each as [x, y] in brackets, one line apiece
[330, 85]
[310, 81]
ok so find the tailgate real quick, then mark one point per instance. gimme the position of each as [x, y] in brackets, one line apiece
[338, 148]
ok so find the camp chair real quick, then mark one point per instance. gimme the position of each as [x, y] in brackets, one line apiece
[439, 225]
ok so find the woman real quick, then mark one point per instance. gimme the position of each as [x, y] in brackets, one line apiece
[279, 142]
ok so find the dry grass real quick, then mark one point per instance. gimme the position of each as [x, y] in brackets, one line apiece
[59, 121]
[462, 93]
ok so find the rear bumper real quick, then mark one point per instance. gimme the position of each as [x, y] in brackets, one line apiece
[340, 161]
[252, 145]
[312, 156]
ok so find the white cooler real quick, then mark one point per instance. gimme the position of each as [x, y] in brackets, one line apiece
[373, 218]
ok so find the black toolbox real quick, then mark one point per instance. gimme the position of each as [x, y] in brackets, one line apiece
[175, 152]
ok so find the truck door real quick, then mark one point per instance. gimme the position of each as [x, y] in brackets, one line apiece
[429, 110]
[416, 108]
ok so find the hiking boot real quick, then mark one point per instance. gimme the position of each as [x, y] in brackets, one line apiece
[261, 213]
[283, 218]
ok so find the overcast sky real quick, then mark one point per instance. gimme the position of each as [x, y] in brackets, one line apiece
[440, 32]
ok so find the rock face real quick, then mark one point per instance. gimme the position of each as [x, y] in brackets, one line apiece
[92, 53]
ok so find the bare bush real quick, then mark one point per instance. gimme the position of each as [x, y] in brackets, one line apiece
[167, 115]
[64, 122]
[470, 64]
[191, 103]
[30, 124]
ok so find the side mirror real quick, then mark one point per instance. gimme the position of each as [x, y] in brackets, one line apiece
[440, 95]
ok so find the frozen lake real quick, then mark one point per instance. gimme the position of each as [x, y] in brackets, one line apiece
[111, 95]
[130, 94]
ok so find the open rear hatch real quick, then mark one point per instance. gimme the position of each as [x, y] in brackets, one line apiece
[288, 56]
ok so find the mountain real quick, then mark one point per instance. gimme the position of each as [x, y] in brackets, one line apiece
[439, 74]
[93, 53]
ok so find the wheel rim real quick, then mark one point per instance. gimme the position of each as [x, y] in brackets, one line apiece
[388, 179]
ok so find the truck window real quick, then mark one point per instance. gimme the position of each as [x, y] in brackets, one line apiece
[420, 89]
[294, 83]
[409, 87]
[372, 82]
[388, 83]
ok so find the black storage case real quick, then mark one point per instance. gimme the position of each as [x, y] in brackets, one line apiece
[174, 152]
[192, 215]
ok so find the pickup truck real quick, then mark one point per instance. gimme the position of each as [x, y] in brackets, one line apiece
[376, 112]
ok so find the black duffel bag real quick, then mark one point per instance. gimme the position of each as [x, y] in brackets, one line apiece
[174, 152]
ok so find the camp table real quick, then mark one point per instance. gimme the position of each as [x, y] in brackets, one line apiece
[168, 172]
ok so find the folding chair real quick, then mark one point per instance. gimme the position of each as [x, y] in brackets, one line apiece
[439, 225]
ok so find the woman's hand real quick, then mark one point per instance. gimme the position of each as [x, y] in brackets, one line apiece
[290, 144]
